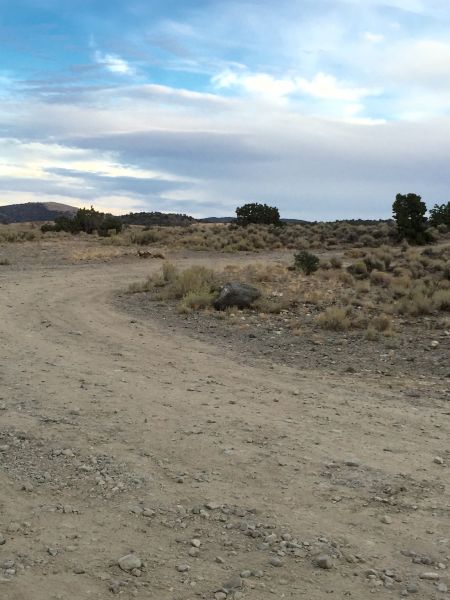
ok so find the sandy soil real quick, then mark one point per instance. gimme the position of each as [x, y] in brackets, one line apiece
[226, 478]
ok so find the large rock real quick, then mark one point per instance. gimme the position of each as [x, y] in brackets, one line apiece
[237, 294]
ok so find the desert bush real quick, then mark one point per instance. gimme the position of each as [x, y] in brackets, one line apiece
[334, 319]
[257, 213]
[381, 322]
[380, 278]
[195, 301]
[358, 269]
[145, 237]
[441, 300]
[306, 262]
[416, 304]
[336, 262]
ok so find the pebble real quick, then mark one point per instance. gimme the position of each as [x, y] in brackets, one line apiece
[27, 487]
[386, 519]
[438, 460]
[275, 561]
[196, 543]
[220, 596]
[352, 462]
[233, 584]
[194, 552]
[430, 575]
[213, 505]
[412, 588]
[129, 562]
[246, 574]
[324, 561]
[442, 588]
[2, 540]
[183, 568]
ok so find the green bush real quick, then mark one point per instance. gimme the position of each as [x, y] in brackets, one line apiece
[306, 262]
[255, 213]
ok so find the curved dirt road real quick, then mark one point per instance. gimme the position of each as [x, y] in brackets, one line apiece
[120, 435]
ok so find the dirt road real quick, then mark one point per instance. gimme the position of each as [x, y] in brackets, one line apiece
[120, 435]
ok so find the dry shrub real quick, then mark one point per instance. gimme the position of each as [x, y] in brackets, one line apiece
[416, 304]
[400, 286]
[381, 322]
[441, 300]
[195, 301]
[372, 334]
[380, 278]
[346, 278]
[334, 319]
[272, 305]
[358, 269]
[336, 262]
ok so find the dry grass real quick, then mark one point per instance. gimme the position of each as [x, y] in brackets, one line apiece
[392, 291]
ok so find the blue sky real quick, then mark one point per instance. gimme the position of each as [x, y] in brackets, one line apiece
[324, 108]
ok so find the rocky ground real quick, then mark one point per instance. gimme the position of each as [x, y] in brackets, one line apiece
[140, 458]
[418, 346]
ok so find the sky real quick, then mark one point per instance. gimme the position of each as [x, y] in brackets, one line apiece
[324, 108]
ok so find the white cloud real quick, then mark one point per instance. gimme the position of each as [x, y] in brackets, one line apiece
[424, 62]
[114, 64]
[321, 87]
[374, 38]
[327, 86]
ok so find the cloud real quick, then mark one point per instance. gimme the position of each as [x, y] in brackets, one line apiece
[185, 158]
[113, 63]
[374, 38]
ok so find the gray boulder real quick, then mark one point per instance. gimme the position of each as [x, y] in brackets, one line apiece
[237, 294]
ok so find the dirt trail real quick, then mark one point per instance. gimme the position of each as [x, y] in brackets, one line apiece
[117, 432]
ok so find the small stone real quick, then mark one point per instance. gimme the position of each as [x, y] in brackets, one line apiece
[79, 571]
[52, 551]
[324, 561]
[275, 561]
[352, 462]
[412, 588]
[114, 587]
[431, 576]
[220, 560]
[434, 344]
[194, 552]
[213, 505]
[27, 487]
[246, 574]
[442, 588]
[196, 543]
[438, 460]
[2, 540]
[220, 596]
[386, 519]
[233, 584]
[136, 572]
[183, 568]
[129, 562]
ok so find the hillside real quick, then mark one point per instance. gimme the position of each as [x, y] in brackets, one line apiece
[34, 211]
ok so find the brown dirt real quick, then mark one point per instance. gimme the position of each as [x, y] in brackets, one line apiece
[106, 414]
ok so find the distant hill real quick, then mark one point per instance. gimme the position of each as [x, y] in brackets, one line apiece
[34, 211]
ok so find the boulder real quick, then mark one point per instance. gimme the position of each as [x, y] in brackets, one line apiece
[236, 294]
